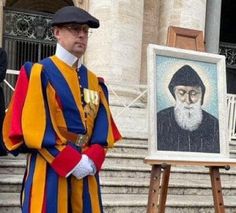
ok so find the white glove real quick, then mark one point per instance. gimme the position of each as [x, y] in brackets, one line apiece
[84, 168]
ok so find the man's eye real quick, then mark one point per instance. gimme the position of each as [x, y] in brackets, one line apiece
[193, 93]
[182, 92]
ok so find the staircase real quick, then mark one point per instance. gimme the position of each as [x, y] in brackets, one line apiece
[125, 182]
[125, 179]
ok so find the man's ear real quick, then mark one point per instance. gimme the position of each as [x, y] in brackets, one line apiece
[56, 32]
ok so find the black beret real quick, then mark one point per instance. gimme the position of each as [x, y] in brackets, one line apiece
[72, 14]
[186, 76]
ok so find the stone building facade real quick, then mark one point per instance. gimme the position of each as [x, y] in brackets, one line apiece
[117, 50]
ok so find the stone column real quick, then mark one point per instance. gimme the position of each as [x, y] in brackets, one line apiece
[2, 4]
[212, 35]
[180, 13]
[114, 49]
[81, 3]
[150, 29]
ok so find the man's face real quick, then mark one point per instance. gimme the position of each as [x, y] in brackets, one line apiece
[188, 112]
[73, 37]
[188, 94]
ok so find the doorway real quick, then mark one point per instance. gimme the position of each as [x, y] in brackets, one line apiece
[228, 42]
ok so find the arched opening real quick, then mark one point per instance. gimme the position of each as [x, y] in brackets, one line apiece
[38, 5]
[228, 41]
[27, 34]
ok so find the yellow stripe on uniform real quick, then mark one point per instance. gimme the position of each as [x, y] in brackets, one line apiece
[47, 155]
[62, 200]
[94, 194]
[77, 194]
[33, 114]
[38, 185]
[57, 117]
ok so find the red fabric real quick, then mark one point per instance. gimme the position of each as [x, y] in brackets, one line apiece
[66, 160]
[115, 131]
[44, 210]
[18, 102]
[97, 154]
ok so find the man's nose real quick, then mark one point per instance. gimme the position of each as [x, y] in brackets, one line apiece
[188, 98]
[81, 34]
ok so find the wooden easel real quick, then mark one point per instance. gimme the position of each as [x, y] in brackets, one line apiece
[193, 40]
[159, 182]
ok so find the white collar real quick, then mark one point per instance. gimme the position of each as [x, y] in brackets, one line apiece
[66, 56]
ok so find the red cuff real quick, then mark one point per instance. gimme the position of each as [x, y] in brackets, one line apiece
[97, 154]
[66, 160]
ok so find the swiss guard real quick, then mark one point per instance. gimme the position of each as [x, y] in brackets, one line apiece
[59, 115]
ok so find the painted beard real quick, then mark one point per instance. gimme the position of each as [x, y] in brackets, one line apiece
[188, 117]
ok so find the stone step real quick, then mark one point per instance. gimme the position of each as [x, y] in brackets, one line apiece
[129, 148]
[133, 141]
[130, 203]
[119, 185]
[12, 166]
[10, 203]
[176, 186]
[132, 122]
[118, 165]
[117, 170]
[10, 183]
[125, 159]
[114, 203]
[232, 152]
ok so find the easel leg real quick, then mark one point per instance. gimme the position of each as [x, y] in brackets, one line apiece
[164, 189]
[217, 190]
[154, 189]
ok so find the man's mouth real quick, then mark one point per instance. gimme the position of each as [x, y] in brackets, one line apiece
[188, 107]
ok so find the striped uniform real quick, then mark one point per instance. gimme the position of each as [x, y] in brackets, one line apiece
[44, 118]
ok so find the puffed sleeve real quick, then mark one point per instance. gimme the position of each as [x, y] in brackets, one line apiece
[28, 125]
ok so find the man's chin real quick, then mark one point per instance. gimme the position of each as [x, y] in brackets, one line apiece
[78, 52]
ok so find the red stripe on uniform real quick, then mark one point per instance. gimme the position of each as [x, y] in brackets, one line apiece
[18, 102]
[97, 154]
[66, 160]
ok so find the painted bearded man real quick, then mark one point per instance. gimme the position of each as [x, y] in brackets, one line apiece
[186, 126]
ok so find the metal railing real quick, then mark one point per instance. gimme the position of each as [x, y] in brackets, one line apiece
[139, 98]
[138, 93]
[231, 110]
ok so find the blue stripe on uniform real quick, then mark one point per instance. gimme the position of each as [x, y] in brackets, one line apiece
[101, 127]
[87, 208]
[83, 74]
[49, 139]
[28, 184]
[70, 110]
[51, 191]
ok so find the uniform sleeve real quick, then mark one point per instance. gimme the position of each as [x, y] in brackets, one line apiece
[105, 132]
[28, 122]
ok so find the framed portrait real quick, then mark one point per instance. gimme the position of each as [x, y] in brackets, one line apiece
[187, 106]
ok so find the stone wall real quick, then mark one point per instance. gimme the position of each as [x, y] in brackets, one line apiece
[150, 31]
[117, 50]
[180, 13]
[114, 50]
[160, 14]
